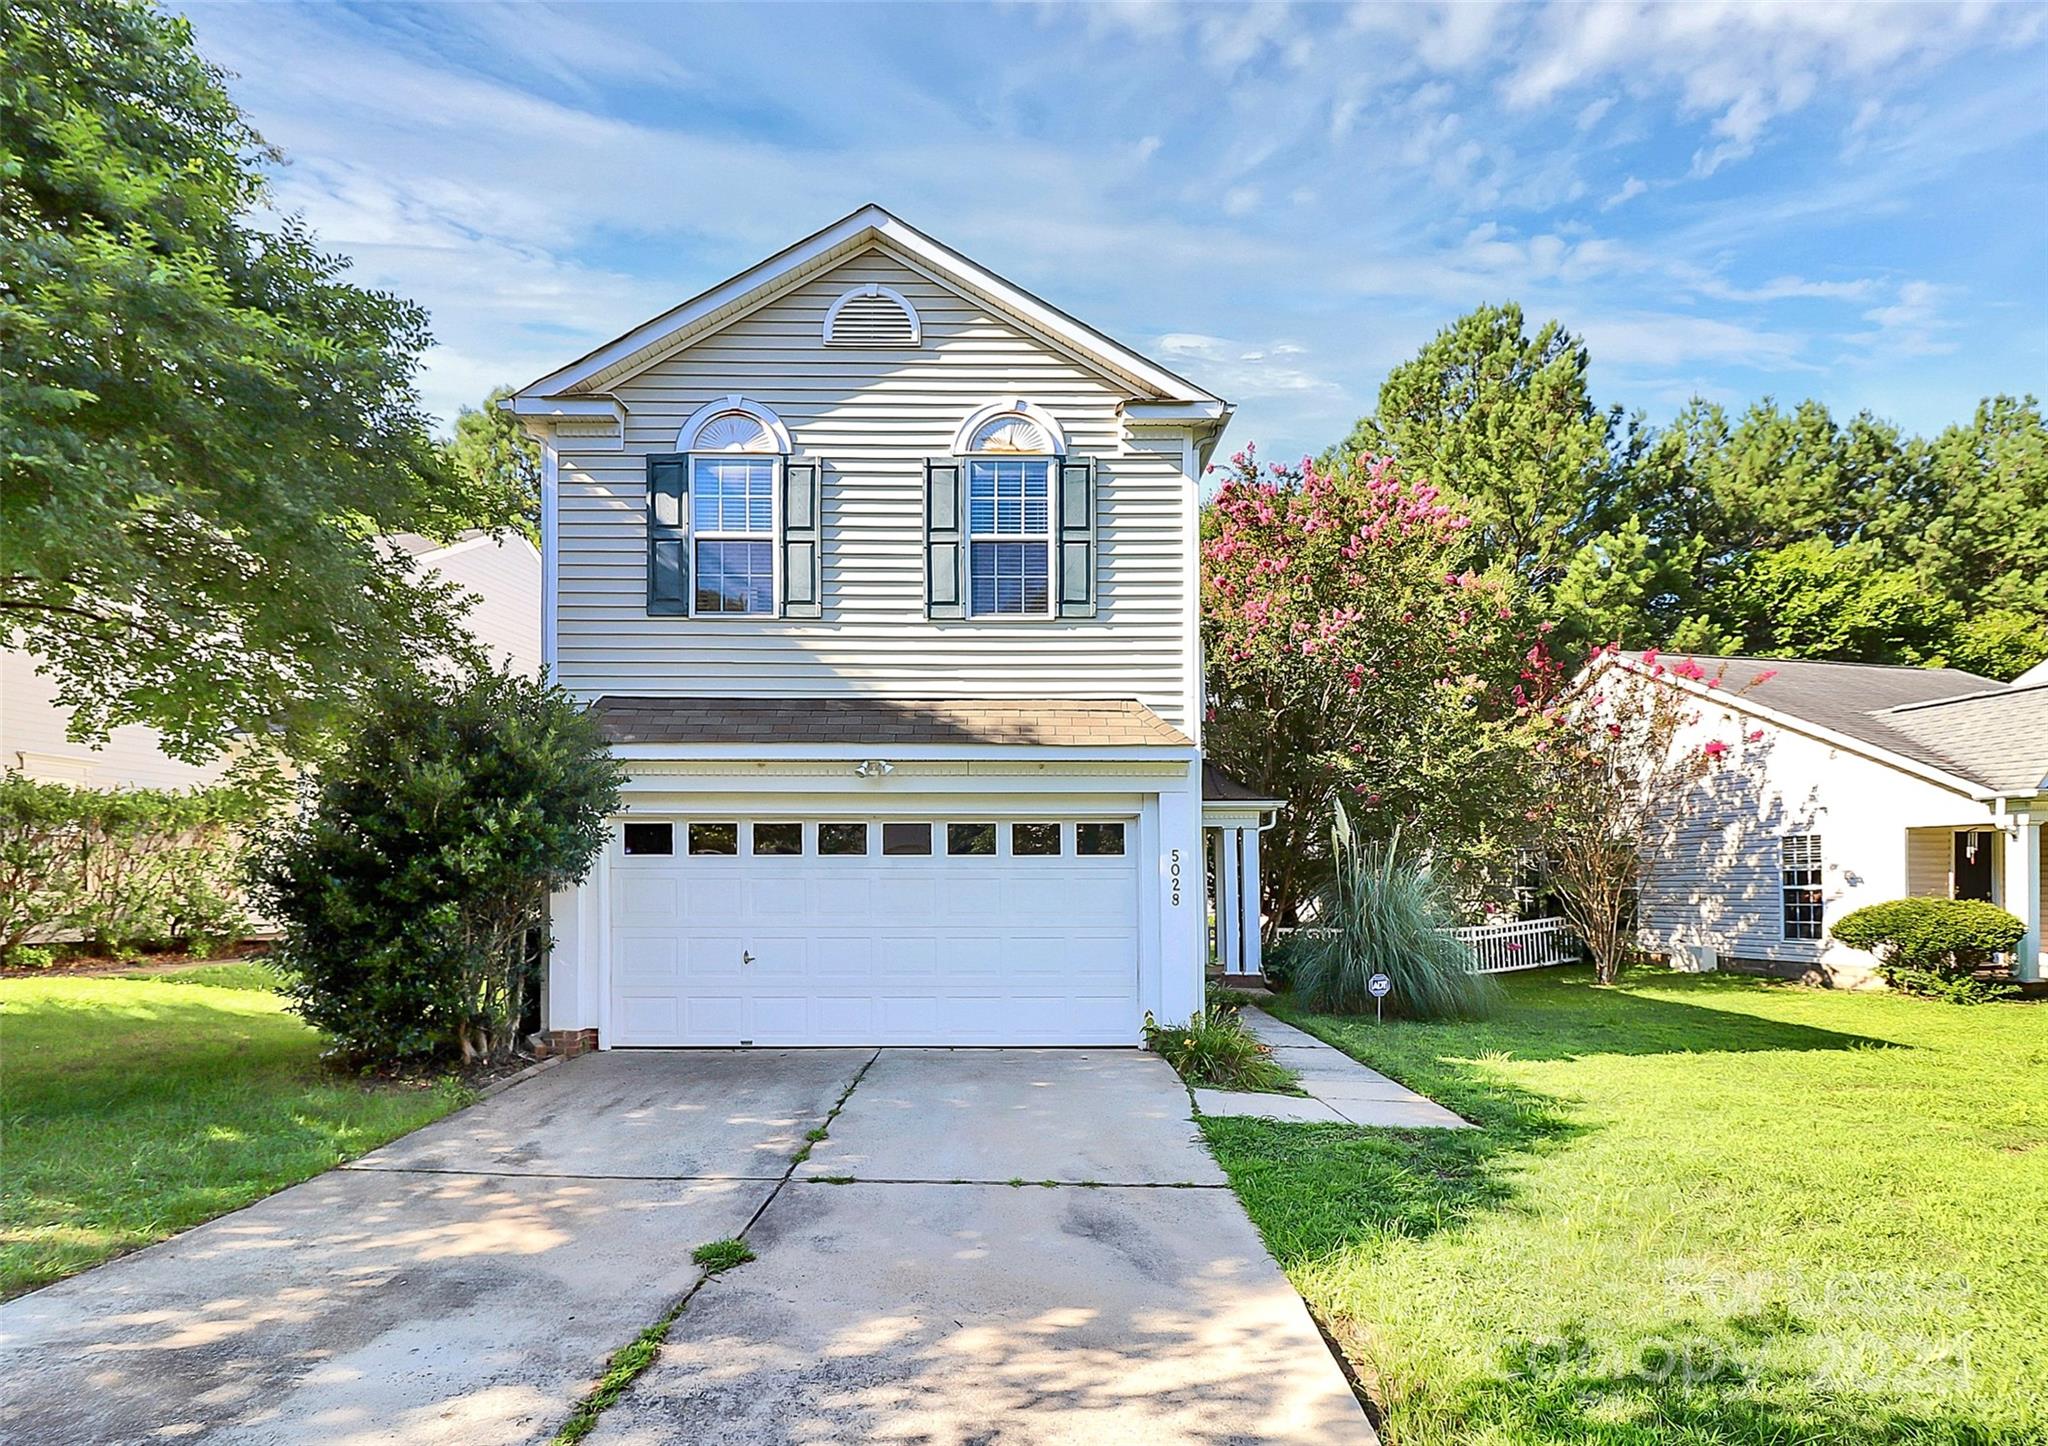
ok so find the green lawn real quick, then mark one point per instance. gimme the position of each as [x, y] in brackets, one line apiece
[1698, 1210]
[134, 1108]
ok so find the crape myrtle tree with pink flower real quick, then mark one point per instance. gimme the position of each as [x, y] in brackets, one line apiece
[1353, 654]
[1616, 766]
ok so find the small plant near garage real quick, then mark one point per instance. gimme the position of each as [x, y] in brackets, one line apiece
[1214, 1050]
[413, 885]
[1935, 947]
[1388, 915]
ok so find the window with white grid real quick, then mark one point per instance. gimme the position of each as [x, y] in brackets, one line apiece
[1799, 885]
[1009, 522]
[732, 520]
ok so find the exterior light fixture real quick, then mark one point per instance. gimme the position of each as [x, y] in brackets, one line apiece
[875, 768]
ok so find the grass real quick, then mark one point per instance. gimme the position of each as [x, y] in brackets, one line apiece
[717, 1256]
[235, 974]
[134, 1108]
[1214, 1050]
[1696, 1210]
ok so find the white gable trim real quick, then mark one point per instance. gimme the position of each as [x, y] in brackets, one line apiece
[1742, 703]
[844, 237]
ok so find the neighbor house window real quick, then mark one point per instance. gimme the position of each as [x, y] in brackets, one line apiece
[1009, 544]
[732, 523]
[1799, 884]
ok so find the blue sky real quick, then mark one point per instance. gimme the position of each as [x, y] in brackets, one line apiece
[1848, 202]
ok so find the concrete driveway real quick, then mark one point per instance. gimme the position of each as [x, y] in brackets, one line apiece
[468, 1282]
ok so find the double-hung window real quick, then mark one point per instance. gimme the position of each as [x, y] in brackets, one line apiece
[732, 528]
[1799, 885]
[1009, 541]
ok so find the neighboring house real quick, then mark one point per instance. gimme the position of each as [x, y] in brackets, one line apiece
[502, 574]
[881, 576]
[1847, 784]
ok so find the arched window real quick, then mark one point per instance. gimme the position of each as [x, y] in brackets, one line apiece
[729, 511]
[1010, 455]
[872, 316]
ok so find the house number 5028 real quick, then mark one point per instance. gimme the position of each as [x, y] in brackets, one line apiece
[1174, 872]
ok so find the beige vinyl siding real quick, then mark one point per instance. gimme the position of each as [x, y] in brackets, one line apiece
[33, 741]
[872, 418]
[1929, 855]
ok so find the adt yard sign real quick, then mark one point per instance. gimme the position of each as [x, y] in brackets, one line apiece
[1379, 987]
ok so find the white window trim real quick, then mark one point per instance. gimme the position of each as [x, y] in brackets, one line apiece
[1052, 530]
[773, 536]
[981, 416]
[1785, 889]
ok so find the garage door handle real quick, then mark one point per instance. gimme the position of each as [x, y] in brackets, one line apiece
[745, 957]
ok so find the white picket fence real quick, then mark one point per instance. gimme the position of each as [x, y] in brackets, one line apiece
[1504, 948]
[1520, 944]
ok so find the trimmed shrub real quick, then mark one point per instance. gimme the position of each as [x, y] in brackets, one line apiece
[124, 868]
[1934, 947]
[1388, 915]
[413, 885]
[1215, 1051]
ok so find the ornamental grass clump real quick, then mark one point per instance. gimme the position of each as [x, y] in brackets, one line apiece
[1386, 914]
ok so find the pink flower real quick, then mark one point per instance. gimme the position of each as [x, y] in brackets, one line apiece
[1755, 737]
[1715, 748]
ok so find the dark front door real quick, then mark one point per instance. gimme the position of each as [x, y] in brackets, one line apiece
[1973, 865]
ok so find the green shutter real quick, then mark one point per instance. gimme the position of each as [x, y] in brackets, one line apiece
[802, 536]
[668, 540]
[1077, 538]
[944, 541]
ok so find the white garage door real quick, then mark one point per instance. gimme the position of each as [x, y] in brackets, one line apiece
[865, 931]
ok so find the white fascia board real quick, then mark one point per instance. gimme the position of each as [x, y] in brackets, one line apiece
[580, 409]
[869, 223]
[1175, 414]
[1235, 815]
[1050, 758]
[1862, 748]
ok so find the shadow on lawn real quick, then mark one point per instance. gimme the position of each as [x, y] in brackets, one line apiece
[1745, 1378]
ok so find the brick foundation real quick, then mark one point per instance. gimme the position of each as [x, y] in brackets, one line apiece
[564, 1043]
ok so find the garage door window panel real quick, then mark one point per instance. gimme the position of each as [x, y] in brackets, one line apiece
[906, 840]
[842, 840]
[714, 840]
[649, 839]
[971, 839]
[778, 840]
[1099, 840]
[1034, 840]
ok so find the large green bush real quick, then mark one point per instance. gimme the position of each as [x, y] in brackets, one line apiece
[119, 869]
[1933, 946]
[410, 883]
[1386, 914]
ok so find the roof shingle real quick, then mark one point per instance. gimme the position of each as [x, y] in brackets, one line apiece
[1027, 722]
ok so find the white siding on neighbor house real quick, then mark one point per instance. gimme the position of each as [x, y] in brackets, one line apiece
[503, 573]
[32, 740]
[1716, 882]
[872, 418]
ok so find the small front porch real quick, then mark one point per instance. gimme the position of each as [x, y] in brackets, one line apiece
[1998, 861]
[1234, 816]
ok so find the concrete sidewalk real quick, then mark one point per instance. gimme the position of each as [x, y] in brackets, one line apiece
[1340, 1090]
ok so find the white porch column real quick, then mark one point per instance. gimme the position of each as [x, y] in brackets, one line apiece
[1249, 956]
[1226, 899]
[2022, 890]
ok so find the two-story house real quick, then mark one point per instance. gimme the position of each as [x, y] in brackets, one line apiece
[881, 576]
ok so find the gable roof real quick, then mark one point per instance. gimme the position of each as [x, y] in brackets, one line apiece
[869, 228]
[1969, 727]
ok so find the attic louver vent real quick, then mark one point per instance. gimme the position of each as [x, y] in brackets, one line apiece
[872, 316]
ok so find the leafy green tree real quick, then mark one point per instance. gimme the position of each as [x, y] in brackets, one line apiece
[1815, 599]
[499, 459]
[411, 884]
[1504, 422]
[203, 426]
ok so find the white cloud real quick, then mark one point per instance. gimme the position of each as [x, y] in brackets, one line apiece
[1240, 200]
[1913, 325]
[1240, 370]
[1630, 189]
[1148, 148]
[1593, 113]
